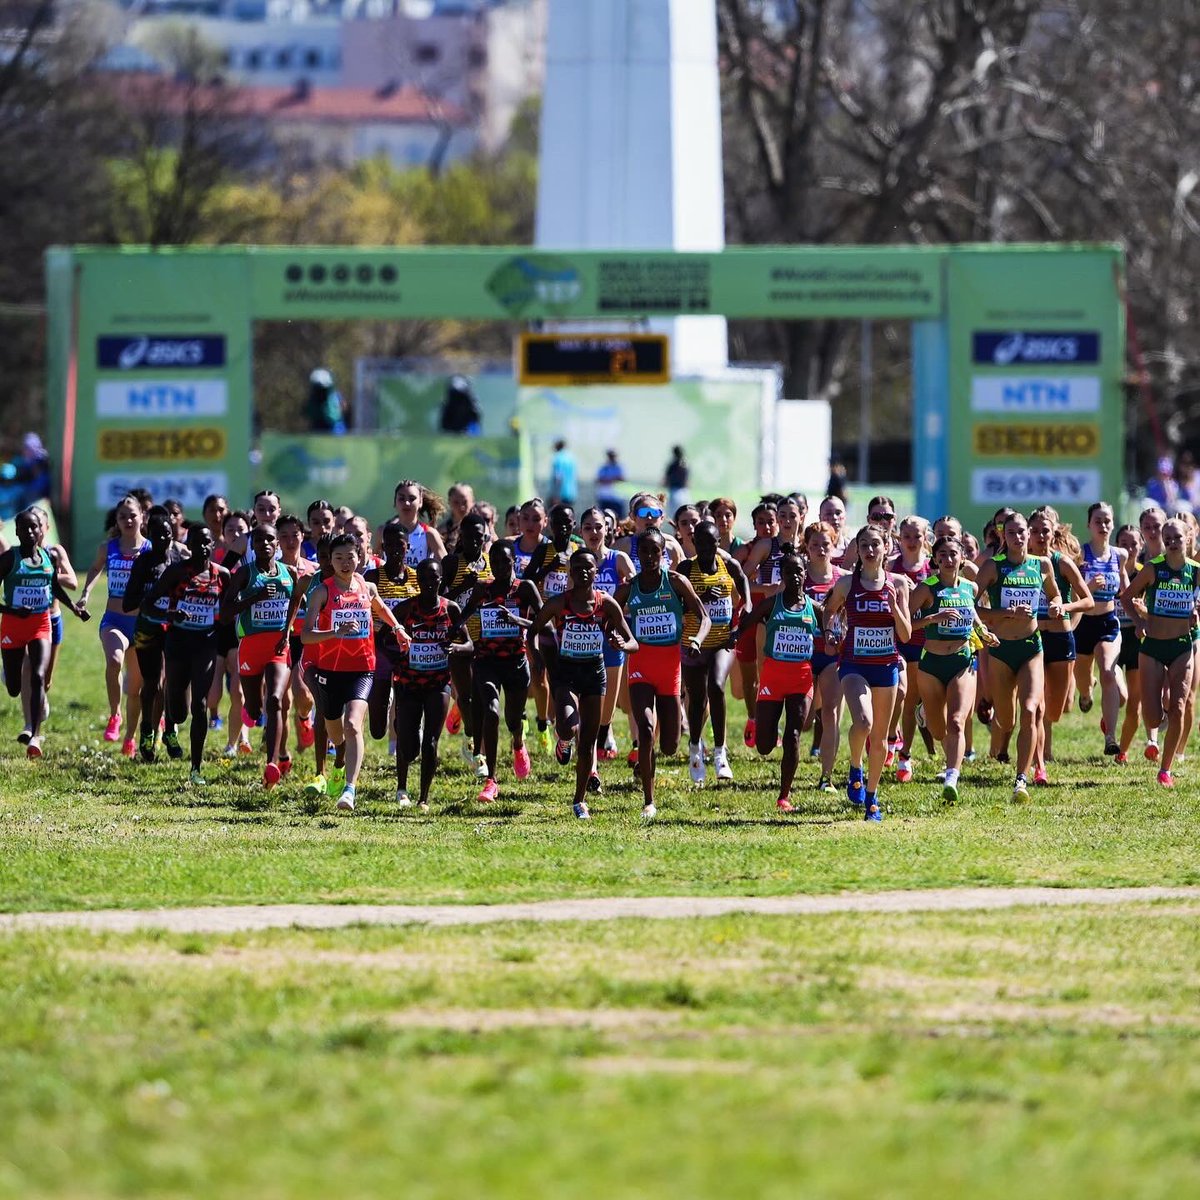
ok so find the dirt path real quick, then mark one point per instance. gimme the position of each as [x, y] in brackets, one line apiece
[332, 916]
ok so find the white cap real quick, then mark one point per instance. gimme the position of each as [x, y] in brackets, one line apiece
[322, 377]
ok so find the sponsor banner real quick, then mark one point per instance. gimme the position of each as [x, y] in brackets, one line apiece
[1037, 441]
[159, 352]
[162, 398]
[1033, 348]
[1035, 394]
[167, 445]
[1022, 486]
[190, 488]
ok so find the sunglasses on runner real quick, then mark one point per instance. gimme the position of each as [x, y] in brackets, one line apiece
[646, 511]
[883, 516]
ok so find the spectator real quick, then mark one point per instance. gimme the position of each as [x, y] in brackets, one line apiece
[1162, 488]
[327, 411]
[675, 479]
[1187, 478]
[837, 480]
[563, 486]
[26, 478]
[611, 472]
[460, 409]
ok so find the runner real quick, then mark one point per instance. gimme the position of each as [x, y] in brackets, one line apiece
[235, 542]
[258, 599]
[646, 512]
[1150, 525]
[655, 600]
[944, 608]
[1168, 582]
[914, 563]
[793, 623]
[501, 664]
[214, 510]
[722, 511]
[30, 580]
[68, 579]
[339, 622]
[115, 558]
[1129, 538]
[760, 563]
[297, 700]
[1049, 538]
[194, 588]
[832, 512]
[877, 617]
[687, 517]
[1011, 581]
[532, 517]
[718, 579]
[414, 501]
[319, 515]
[395, 581]
[819, 579]
[422, 678]
[584, 618]
[1098, 633]
[150, 631]
[460, 500]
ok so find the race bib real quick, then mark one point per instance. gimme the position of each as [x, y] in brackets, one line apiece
[655, 627]
[1173, 602]
[32, 595]
[961, 625]
[874, 641]
[720, 610]
[428, 656]
[270, 613]
[555, 583]
[351, 622]
[1010, 596]
[496, 625]
[606, 585]
[197, 613]
[118, 581]
[792, 644]
[581, 641]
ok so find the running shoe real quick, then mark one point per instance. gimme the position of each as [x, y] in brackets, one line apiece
[949, 793]
[854, 787]
[873, 810]
[316, 786]
[247, 719]
[422, 806]
[306, 735]
[467, 753]
[1164, 777]
[649, 812]
[784, 804]
[562, 752]
[24, 736]
[594, 785]
[337, 779]
[580, 809]
[607, 753]
[147, 746]
[904, 770]
[243, 746]
[271, 776]
[215, 722]
[521, 763]
[230, 751]
[481, 770]
[128, 748]
[969, 756]
[403, 799]
[1003, 757]
[1151, 752]
[825, 784]
[1040, 778]
[196, 779]
[1122, 759]
[1085, 702]
[171, 741]
[112, 731]
[488, 792]
[285, 766]
[696, 768]
[346, 799]
[814, 751]
[751, 732]
[1020, 791]
[454, 719]
[890, 757]
[34, 748]
[632, 758]
[721, 764]
[545, 739]
[1111, 748]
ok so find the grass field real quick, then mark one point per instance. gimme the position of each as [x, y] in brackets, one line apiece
[994, 1054]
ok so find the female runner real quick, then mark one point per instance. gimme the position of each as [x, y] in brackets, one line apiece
[395, 581]
[793, 623]
[297, 700]
[422, 678]
[1150, 526]
[1011, 581]
[116, 557]
[722, 511]
[319, 515]
[914, 563]
[414, 501]
[646, 512]
[339, 622]
[29, 573]
[717, 578]
[228, 553]
[501, 665]
[150, 631]
[833, 513]
[1130, 540]
[1168, 582]
[1049, 538]
[1098, 633]
[877, 618]
[655, 600]
[533, 523]
[944, 608]
[584, 618]
[258, 599]
[687, 517]
[67, 577]
[194, 587]
[760, 563]
[819, 579]
[460, 500]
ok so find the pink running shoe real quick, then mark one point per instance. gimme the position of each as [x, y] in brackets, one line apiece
[129, 747]
[488, 792]
[1122, 759]
[521, 763]
[1151, 752]
[1164, 777]
[750, 736]
[271, 776]
[306, 734]
[785, 805]
[1040, 778]
[112, 731]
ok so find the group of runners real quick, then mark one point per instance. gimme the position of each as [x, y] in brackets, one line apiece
[332, 630]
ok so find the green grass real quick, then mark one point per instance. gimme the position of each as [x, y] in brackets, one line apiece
[993, 1055]
[86, 828]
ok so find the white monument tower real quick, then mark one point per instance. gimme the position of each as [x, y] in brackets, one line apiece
[630, 153]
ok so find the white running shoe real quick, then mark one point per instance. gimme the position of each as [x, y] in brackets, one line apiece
[230, 751]
[721, 762]
[346, 799]
[649, 812]
[696, 768]
[403, 800]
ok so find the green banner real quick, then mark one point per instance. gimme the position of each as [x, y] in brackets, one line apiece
[362, 471]
[412, 402]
